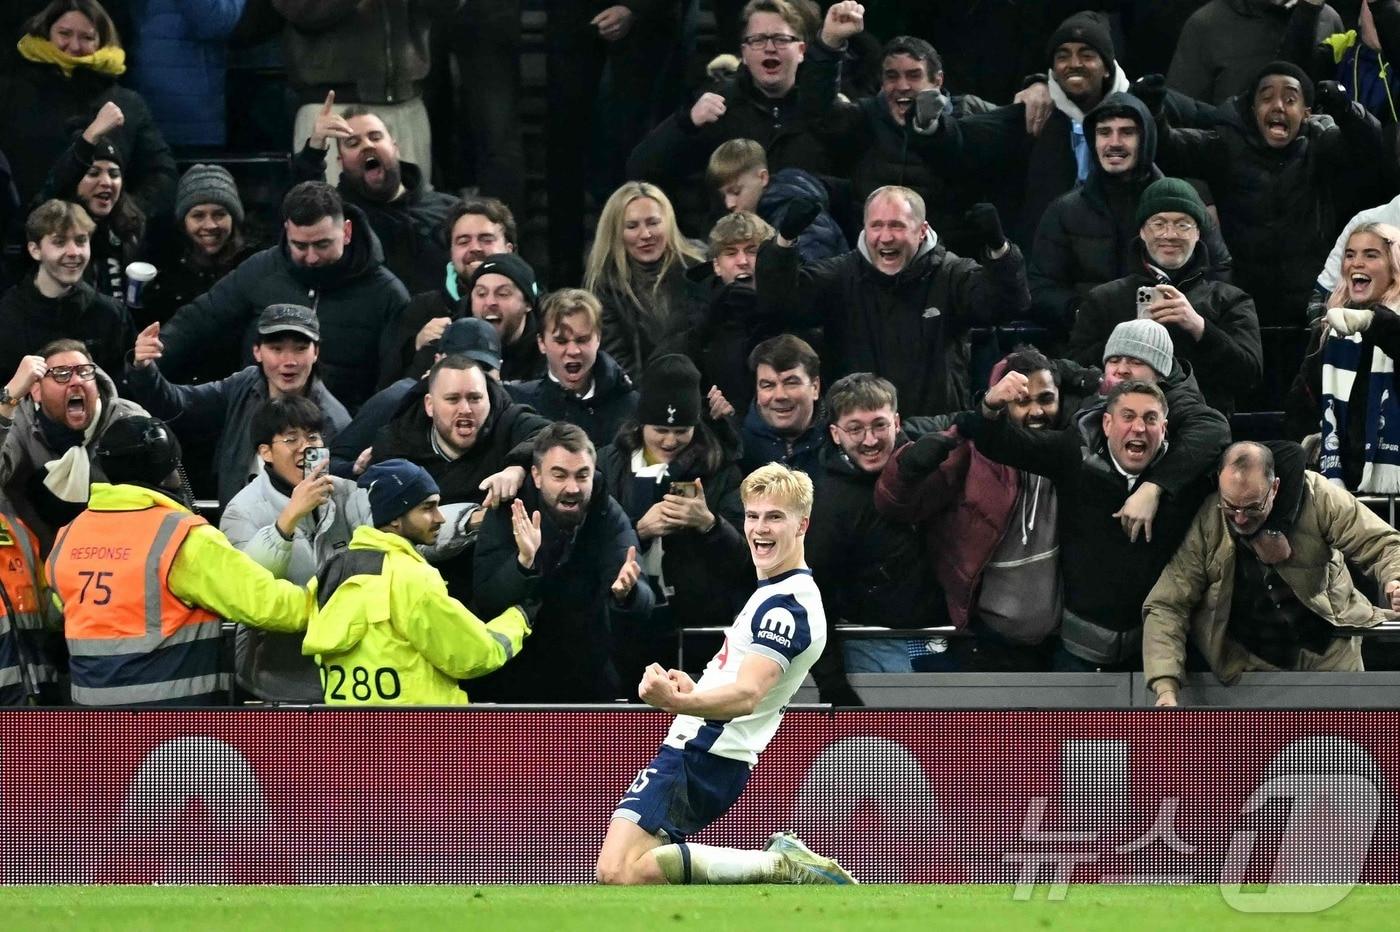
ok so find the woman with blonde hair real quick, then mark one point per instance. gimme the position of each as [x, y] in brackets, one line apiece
[1348, 379]
[70, 59]
[637, 268]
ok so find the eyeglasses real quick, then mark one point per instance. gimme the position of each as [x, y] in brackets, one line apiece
[859, 431]
[1244, 511]
[291, 443]
[757, 41]
[61, 374]
[1184, 227]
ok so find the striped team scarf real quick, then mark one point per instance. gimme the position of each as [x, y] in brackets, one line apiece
[1341, 363]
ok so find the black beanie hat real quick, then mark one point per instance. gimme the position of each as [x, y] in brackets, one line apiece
[670, 395]
[1091, 29]
[1284, 68]
[105, 150]
[513, 267]
[137, 449]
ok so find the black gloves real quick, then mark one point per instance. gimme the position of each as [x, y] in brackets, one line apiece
[925, 455]
[1151, 89]
[530, 608]
[984, 223]
[798, 216]
[1331, 98]
[929, 105]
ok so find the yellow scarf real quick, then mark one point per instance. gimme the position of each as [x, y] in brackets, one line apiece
[109, 60]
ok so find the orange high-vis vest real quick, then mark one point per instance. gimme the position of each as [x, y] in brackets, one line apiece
[130, 639]
[21, 610]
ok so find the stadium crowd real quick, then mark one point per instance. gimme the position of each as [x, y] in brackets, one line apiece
[1081, 317]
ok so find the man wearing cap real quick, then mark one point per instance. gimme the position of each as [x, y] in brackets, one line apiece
[465, 336]
[1089, 235]
[1284, 178]
[329, 260]
[396, 197]
[1212, 324]
[385, 631]
[145, 584]
[286, 348]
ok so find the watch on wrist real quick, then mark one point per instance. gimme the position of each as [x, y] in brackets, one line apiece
[6, 399]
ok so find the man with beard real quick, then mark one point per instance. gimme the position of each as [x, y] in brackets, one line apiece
[385, 631]
[329, 260]
[565, 541]
[1252, 599]
[503, 292]
[583, 385]
[286, 348]
[872, 570]
[402, 208]
[52, 411]
[900, 304]
[463, 428]
[56, 302]
[1283, 179]
[1212, 324]
[1095, 464]
[475, 228]
[1089, 236]
[991, 531]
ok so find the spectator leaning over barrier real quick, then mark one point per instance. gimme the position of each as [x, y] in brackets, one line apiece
[1212, 324]
[145, 584]
[474, 229]
[991, 531]
[290, 520]
[583, 384]
[385, 631]
[1095, 464]
[53, 410]
[900, 304]
[329, 260]
[1090, 235]
[56, 302]
[1253, 599]
[566, 541]
[785, 424]
[286, 350]
[396, 197]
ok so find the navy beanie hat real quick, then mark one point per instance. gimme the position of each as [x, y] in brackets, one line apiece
[394, 487]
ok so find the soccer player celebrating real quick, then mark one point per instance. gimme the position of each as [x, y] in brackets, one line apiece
[726, 720]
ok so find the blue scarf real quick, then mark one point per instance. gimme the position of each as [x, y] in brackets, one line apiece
[1341, 361]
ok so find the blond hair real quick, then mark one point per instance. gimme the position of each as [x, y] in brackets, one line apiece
[776, 481]
[737, 229]
[734, 158]
[607, 260]
[803, 18]
[1391, 237]
[567, 302]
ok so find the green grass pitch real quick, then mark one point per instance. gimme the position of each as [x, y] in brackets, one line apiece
[560, 908]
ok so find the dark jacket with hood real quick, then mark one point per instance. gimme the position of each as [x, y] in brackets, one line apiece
[790, 136]
[612, 403]
[29, 320]
[356, 299]
[1229, 357]
[1090, 235]
[710, 573]
[569, 658]
[903, 326]
[1280, 209]
[823, 238]
[409, 229]
[1223, 44]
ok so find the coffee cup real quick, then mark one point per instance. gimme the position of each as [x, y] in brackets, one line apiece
[137, 275]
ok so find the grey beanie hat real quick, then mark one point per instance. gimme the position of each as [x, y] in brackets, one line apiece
[208, 184]
[1142, 339]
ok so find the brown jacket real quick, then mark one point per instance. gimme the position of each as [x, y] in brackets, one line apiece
[1194, 591]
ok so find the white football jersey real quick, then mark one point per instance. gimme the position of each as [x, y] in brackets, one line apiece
[783, 621]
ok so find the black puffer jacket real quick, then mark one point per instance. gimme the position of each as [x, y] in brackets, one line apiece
[409, 229]
[677, 148]
[1089, 236]
[357, 300]
[904, 327]
[28, 320]
[44, 109]
[1228, 359]
[1280, 209]
[612, 403]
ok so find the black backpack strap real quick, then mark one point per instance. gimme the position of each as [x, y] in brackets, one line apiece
[341, 566]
